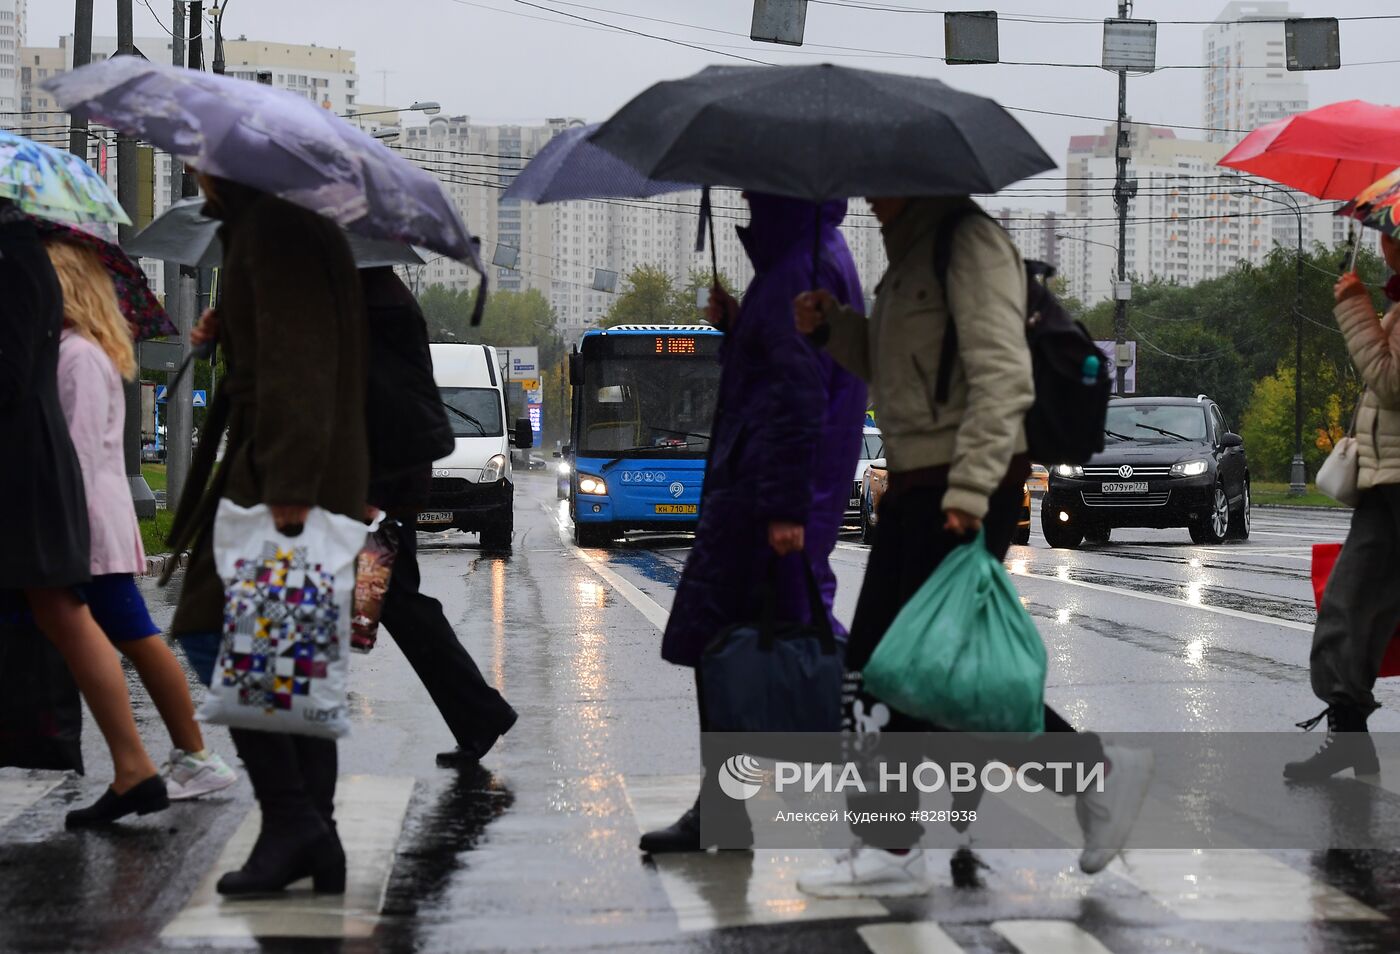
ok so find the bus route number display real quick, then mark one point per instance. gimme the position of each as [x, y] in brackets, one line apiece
[670, 345]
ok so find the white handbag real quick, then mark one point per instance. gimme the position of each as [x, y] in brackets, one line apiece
[283, 663]
[1337, 476]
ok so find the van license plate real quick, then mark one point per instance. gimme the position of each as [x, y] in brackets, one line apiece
[677, 508]
[853, 503]
[1132, 487]
[435, 516]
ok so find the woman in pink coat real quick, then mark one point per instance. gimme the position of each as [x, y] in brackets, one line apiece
[94, 355]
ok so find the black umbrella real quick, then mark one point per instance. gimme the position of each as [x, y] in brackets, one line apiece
[822, 132]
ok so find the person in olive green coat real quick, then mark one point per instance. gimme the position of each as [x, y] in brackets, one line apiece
[291, 322]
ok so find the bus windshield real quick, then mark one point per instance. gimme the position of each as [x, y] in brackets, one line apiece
[473, 412]
[646, 406]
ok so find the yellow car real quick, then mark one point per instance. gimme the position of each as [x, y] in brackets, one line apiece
[1040, 480]
[1023, 523]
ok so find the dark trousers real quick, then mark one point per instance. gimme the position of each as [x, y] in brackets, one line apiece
[293, 776]
[910, 544]
[1361, 605]
[474, 711]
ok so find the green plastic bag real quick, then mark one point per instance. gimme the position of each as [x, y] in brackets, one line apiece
[963, 653]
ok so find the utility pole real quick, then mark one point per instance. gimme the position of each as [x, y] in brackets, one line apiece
[82, 55]
[1120, 202]
[179, 302]
[217, 12]
[128, 186]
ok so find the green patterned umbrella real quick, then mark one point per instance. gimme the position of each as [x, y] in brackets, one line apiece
[52, 184]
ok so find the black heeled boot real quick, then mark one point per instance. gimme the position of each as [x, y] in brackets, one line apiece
[1348, 746]
[684, 833]
[294, 780]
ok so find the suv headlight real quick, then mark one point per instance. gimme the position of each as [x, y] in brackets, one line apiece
[588, 484]
[493, 470]
[1189, 468]
[1069, 470]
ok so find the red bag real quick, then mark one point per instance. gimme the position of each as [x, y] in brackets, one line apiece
[1324, 557]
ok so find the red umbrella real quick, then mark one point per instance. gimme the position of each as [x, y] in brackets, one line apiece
[1332, 152]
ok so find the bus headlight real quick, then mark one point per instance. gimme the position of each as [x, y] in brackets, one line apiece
[493, 470]
[588, 484]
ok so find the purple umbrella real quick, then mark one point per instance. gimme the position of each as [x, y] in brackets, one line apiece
[570, 167]
[274, 141]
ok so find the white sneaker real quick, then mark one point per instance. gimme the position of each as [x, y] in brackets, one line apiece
[189, 777]
[869, 873]
[1107, 817]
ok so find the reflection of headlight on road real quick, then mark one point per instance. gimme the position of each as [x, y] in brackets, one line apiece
[1189, 468]
[592, 485]
[564, 468]
[493, 469]
[1069, 470]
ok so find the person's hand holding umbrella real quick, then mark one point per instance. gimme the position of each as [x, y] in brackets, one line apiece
[723, 309]
[808, 308]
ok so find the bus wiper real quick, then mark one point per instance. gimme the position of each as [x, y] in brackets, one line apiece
[1115, 434]
[682, 433]
[467, 417]
[646, 447]
[1149, 427]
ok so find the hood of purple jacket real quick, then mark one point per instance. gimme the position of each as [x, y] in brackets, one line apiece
[777, 223]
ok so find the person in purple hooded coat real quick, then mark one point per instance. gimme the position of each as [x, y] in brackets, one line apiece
[784, 444]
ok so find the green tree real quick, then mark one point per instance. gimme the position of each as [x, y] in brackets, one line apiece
[650, 299]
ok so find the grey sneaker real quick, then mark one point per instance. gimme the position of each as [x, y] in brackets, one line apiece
[189, 777]
[862, 872]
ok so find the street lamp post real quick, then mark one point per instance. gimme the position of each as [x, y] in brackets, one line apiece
[1298, 476]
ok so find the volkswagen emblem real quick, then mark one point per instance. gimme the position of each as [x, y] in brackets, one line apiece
[677, 488]
[1125, 471]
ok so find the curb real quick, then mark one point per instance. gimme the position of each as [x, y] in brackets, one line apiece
[156, 565]
[1301, 508]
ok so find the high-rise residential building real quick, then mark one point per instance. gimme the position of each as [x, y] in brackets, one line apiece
[11, 39]
[1246, 82]
[324, 75]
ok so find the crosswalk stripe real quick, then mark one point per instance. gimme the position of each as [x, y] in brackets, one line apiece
[17, 794]
[917, 937]
[731, 888]
[369, 814]
[1049, 937]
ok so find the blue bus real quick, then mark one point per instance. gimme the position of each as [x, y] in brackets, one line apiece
[643, 401]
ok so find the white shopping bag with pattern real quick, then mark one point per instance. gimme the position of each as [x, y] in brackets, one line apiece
[283, 663]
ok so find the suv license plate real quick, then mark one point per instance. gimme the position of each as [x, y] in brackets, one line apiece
[677, 508]
[435, 516]
[1132, 487]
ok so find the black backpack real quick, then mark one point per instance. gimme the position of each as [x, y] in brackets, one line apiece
[1065, 425]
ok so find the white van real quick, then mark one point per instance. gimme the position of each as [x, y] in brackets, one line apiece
[473, 487]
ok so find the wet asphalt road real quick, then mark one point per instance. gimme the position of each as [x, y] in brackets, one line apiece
[537, 850]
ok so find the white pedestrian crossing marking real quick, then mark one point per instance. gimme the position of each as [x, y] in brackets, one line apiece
[1049, 937]
[17, 794]
[1239, 885]
[369, 814]
[731, 888]
[918, 937]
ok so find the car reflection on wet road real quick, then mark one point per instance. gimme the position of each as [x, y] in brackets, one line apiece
[537, 850]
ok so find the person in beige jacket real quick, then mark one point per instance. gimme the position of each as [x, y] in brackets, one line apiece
[1361, 606]
[955, 466]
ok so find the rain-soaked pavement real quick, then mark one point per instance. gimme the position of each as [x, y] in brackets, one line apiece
[537, 850]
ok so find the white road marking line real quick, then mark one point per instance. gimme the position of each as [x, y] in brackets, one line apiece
[644, 604]
[1238, 885]
[369, 813]
[917, 937]
[731, 888]
[18, 794]
[1172, 601]
[1049, 937]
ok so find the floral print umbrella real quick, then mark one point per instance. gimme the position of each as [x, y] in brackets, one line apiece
[1378, 205]
[52, 184]
[138, 303]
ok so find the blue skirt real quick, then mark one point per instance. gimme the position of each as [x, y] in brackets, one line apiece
[117, 606]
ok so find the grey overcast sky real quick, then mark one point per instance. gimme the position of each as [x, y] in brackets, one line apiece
[507, 60]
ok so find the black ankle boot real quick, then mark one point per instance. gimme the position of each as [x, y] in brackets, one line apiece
[143, 798]
[1348, 746]
[287, 852]
[681, 835]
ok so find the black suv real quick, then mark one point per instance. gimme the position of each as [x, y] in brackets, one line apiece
[1166, 462]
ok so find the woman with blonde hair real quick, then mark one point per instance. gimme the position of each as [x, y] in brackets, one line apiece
[95, 354]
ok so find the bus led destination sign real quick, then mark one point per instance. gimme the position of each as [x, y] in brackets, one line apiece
[669, 345]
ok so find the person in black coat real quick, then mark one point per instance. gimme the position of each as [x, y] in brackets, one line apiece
[46, 548]
[408, 429]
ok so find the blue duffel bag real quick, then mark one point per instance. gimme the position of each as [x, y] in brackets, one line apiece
[772, 675]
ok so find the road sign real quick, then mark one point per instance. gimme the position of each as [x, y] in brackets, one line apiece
[524, 364]
[161, 355]
[199, 399]
[1110, 351]
[161, 392]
